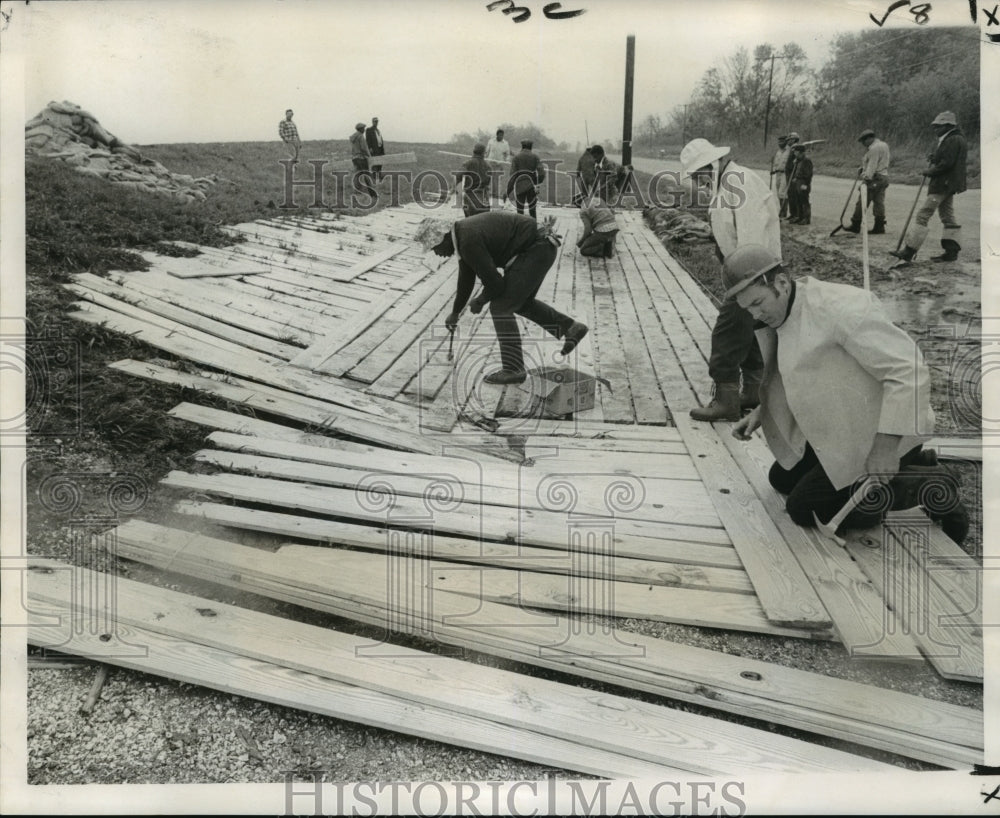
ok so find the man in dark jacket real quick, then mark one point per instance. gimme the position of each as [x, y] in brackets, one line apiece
[800, 184]
[585, 175]
[474, 181]
[526, 173]
[376, 147]
[608, 177]
[792, 211]
[525, 251]
[946, 178]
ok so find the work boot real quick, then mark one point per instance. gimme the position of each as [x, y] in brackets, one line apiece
[806, 217]
[878, 229]
[951, 248]
[937, 491]
[573, 336]
[854, 227]
[750, 394]
[502, 376]
[905, 255]
[725, 404]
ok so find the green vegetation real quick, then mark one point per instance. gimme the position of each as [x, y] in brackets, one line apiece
[893, 82]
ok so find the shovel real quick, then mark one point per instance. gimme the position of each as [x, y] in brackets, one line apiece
[840, 224]
[864, 237]
[829, 530]
[902, 236]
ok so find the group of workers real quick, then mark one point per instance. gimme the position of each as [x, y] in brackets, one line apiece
[841, 394]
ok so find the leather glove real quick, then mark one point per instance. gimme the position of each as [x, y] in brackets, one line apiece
[451, 321]
[476, 305]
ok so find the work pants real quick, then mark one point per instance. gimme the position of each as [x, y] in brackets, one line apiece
[734, 345]
[363, 178]
[809, 490]
[599, 244]
[526, 198]
[521, 282]
[876, 199]
[943, 204]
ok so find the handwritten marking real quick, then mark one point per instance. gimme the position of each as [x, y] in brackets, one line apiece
[991, 795]
[991, 16]
[521, 12]
[889, 11]
[551, 10]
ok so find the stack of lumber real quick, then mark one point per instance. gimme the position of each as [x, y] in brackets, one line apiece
[368, 591]
[324, 671]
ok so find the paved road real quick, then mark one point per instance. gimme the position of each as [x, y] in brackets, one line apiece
[829, 194]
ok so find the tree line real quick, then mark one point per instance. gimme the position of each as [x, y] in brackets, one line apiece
[894, 82]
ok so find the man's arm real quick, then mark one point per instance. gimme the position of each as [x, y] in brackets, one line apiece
[944, 158]
[466, 283]
[477, 260]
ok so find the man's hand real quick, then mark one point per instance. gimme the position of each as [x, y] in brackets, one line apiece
[451, 321]
[804, 188]
[882, 462]
[476, 305]
[745, 428]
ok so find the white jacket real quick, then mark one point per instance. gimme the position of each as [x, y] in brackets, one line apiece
[744, 210]
[843, 372]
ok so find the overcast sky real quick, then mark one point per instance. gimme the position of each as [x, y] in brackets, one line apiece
[184, 71]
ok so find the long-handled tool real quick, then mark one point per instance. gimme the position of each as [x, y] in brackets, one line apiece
[913, 209]
[864, 236]
[829, 529]
[850, 196]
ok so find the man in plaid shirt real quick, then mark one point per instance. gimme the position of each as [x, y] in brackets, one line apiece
[290, 135]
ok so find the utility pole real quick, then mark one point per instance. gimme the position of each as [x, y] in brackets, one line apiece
[684, 124]
[767, 108]
[629, 81]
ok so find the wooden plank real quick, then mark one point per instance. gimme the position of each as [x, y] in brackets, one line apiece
[474, 552]
[339, 337]
[575, 595]
[371, 262]
[637, 729]
[398, 358]
[542, 529]
[198, 299]
[910, 725]
[262, 398]
[650, 405]
[180, 267]
[608, 347]
[785, 593]
[957, 448]
[398, 315]
[254, 299]
[201, 348]
[590, 494]
[194, 663]
[935, 607]
[853, 603]
[141, 308]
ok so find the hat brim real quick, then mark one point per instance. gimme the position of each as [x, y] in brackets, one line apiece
[705, 158]
[736, 289]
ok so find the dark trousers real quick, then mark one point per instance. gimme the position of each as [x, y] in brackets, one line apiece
[521, 282]
[876, 198]
[476, 201]
[793, 202]
[377, 169]
[734, 346]
[599, 244]
[810, 490]
[363, 178]
[529, 198]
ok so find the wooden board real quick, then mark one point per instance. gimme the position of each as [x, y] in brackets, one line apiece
[543, 529]
[857, 609]
[937, 600]
[541, 492]
[193, 663]
[475, 552]
[911, 725]
[782, 587]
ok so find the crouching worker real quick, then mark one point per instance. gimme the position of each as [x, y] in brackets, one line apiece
[845, 397]
[599, 228]
[525, 250]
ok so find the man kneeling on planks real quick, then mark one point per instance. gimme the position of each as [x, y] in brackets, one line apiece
[525, 250]
[845, 397]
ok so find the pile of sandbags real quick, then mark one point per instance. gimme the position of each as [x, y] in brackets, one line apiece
[674, 224]
[66, 131]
